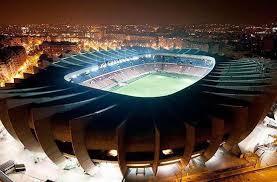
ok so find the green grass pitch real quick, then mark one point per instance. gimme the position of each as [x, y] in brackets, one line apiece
[155, 85]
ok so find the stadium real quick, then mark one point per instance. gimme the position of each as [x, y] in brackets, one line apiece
[138, 107]
[145, 75]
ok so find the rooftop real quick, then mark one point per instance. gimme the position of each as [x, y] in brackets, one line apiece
[6, 53]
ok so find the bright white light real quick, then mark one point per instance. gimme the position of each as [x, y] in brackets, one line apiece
[111, 63]
[93, 69]
[74, 76]
[148, 56]
[167, 151]
[135, 58]
[195, 155]
[112, 153]
[103, 65]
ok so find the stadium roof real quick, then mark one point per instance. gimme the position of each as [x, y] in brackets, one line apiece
[47, 113]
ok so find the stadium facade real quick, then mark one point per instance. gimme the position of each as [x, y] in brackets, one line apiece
[67, 108]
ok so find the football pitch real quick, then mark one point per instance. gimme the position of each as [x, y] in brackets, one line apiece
[155, 85]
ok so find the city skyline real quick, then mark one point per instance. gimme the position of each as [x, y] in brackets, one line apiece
[138, 12]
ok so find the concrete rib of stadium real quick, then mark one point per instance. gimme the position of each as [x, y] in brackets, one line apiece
[46, 113]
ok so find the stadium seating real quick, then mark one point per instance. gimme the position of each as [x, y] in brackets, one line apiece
[115, 78]
[116, 66]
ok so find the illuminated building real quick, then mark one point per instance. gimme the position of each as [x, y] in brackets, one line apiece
[56, 49]
[6, 41]
[11, 58]
[52, 112]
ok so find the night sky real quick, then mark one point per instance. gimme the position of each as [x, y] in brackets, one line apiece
[137, 11]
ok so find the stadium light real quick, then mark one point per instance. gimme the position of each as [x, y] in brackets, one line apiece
[148, 56]
[112, 153]
[135, 58]
[167, 151]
